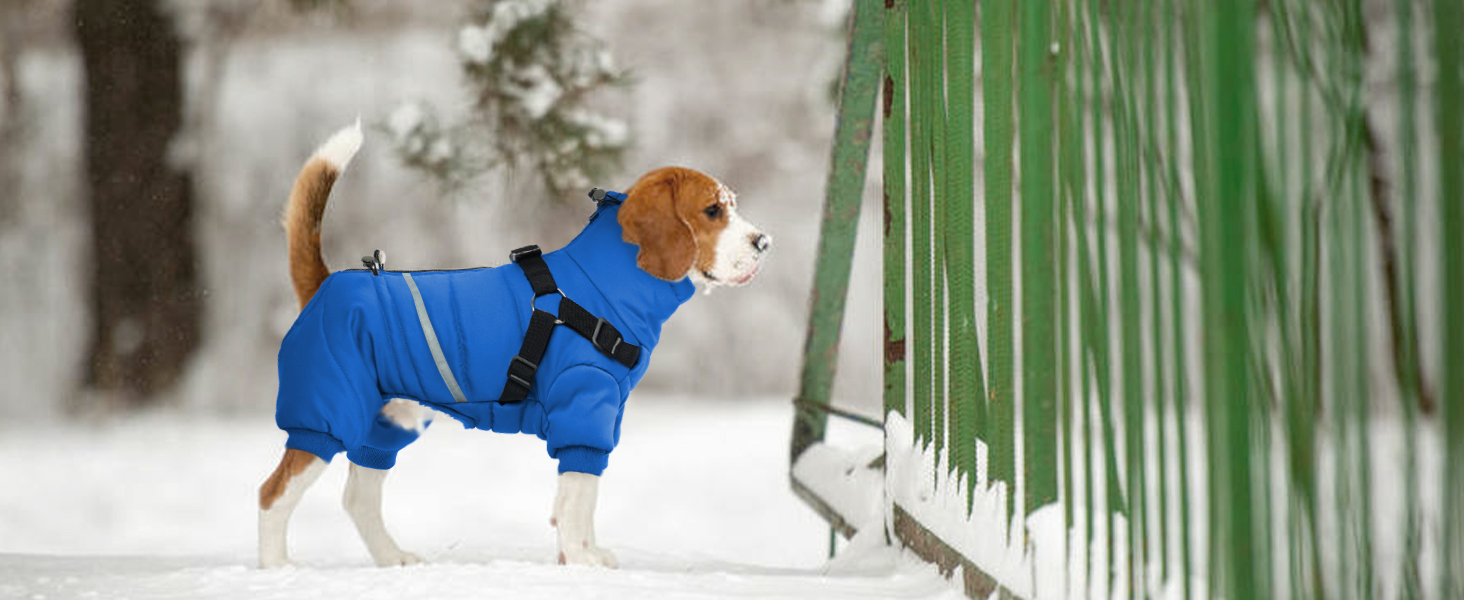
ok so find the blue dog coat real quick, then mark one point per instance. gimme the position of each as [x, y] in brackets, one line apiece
[360, 342]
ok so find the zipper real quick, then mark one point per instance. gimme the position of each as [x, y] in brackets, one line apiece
[466, 268]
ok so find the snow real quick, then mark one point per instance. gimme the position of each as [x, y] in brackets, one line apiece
[588, 61]
[406, 119]
[508, 14]
[938, 500]
[475, 44]
[1056, 564]
[845, 481]
[695, 504]
[603, 131]
[537, 90]
[57, 577]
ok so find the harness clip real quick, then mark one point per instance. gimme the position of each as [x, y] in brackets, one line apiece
[525, 252]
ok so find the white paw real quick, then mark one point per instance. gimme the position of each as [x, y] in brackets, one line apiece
[586, 554]
[400, 558]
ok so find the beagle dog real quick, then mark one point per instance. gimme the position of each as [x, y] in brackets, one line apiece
[373, 349]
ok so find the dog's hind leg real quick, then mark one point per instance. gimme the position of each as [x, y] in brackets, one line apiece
[363, 502]
[399, 423]
[277, 500]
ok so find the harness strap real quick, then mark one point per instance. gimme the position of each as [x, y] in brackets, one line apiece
[523, 366]
[531, 260]
[601, 334]
[604, 336]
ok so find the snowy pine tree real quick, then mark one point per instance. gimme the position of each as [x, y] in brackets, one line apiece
[533, 76]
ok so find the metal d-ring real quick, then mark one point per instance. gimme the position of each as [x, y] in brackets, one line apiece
[557, 320]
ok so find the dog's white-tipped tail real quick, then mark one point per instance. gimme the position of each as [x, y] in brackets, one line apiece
[306, 208]
[341, 147]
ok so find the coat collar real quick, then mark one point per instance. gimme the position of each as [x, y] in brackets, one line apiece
[608, 261]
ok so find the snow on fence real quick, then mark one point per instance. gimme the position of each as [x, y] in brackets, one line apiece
[1199, 334]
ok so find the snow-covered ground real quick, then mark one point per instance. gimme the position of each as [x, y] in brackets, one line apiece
[695, 503]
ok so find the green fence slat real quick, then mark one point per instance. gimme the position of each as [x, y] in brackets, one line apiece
[1302, 406]
[968, 393]
[1341, 391]
[940, 150]
[1408, 200]
[1177, 294]
[1099, 345]
[843, 192]
[1360, 418]
[1264, 255]
[1355, 49]
[1448, 18]
[1128, 201]
[931, 116]
[998, 139]
[1232, 118]
[1068, 161]
[1280, 203]
[1038, 223]
[940, 146]
[920, 233]
[1154, 193]
[1085, 291]
[1343, 395]
[1197, 86]
[1302, 434]
[894, 207]
[1268, 257]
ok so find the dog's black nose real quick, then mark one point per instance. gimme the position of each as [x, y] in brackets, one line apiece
[761, 242]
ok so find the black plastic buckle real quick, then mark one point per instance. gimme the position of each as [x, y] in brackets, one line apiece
[533, 368]
[524, 252]
[600, 323]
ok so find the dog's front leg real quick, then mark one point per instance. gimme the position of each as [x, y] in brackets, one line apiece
[574, 518]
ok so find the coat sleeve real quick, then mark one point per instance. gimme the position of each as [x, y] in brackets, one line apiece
[583, 406]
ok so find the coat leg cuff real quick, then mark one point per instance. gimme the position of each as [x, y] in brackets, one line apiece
[314, 442]
[372, 458]
[582, 459]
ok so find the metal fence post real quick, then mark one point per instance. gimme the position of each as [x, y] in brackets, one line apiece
[844, 191]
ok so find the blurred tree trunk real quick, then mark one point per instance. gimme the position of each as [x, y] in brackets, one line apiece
[144, 289]
[10, 110]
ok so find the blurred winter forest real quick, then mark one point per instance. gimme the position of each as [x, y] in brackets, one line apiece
[147, 148]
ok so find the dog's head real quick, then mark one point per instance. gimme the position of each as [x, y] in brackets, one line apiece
[686, 224]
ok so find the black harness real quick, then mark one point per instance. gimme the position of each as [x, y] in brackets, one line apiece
[601, 334]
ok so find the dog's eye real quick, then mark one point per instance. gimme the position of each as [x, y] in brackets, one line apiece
[713, 212]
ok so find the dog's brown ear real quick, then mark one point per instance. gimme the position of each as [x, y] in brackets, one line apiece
[651, 221]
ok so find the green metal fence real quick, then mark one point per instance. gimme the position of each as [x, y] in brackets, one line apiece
[1174, 293]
